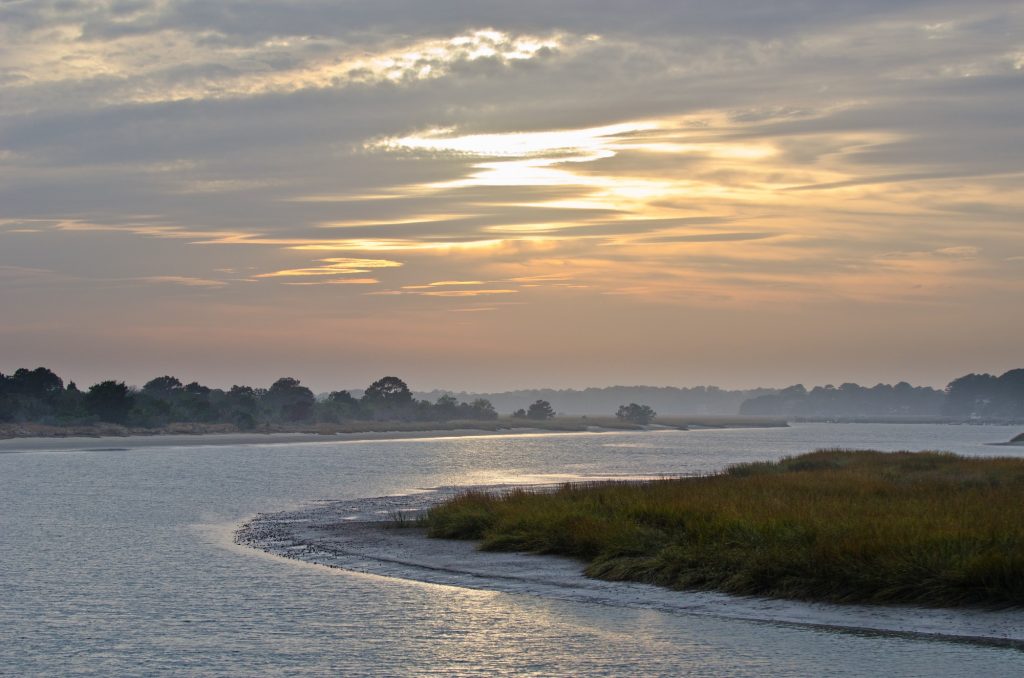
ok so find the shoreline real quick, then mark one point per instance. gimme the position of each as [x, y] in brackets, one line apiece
[560, 424]
[356, 536]
[110, 443]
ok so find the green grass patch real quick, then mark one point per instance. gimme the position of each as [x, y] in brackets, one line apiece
[927, 528]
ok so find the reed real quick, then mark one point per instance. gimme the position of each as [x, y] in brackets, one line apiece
[834, 525]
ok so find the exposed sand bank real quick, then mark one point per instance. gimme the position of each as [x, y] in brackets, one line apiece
[119, 442]
[354, 535]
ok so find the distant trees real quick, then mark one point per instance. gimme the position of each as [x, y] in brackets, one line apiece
[390, 391]
[636, 414]
[242, 407]
[984, 396]
[29, 394]
[446, 408]
[389, 398]
[540, 410]
[162, 387]
[40, 396]
[482, 409]
[339, 406]
[109, 401]
[848, 401]
[37, 383]
[289, 400]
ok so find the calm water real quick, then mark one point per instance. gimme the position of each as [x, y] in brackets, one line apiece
[121, 563]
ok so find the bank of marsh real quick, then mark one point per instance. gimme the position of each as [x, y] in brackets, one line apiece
[834, 525]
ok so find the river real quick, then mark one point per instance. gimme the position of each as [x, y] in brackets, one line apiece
[120, 561]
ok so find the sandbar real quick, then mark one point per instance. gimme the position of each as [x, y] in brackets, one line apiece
[98, 443]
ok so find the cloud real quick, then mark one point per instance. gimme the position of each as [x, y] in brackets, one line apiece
[474, 309]
[184, 281]
[444, 283]
[466, 293]
[16, 275]
[333, 267]
[337, 281]
[651, 154]
[131, 67]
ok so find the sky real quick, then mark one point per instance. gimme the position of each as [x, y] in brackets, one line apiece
[493, 195]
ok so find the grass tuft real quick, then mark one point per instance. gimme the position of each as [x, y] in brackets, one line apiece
[928, 528]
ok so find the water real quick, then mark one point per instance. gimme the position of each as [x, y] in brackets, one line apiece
[120, 562]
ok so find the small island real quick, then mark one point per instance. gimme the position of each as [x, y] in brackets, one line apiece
[925, 528]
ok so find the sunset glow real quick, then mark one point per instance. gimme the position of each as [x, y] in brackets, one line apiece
[730, 198]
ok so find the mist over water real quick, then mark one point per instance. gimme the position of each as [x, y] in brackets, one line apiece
[121, 562]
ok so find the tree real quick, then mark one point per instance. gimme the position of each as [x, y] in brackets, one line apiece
[540, 410]
[342, 398]
[519, 414]
[38, 383]
[242, 407]
[195, 402]
[481, 408]
[162, 387]
[389, 391]
[109, 400]
[390, 398]
[337, 407]
[30, 395]
[290, 400]
[970, 395]
[636, 414]
[446, 408]
[69, 406]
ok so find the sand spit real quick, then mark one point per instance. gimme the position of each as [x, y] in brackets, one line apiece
[357, 536]
[212, 439]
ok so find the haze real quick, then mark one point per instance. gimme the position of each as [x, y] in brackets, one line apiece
[486, 196]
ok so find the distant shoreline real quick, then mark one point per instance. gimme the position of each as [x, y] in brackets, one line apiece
[35, 436]
[125, 442]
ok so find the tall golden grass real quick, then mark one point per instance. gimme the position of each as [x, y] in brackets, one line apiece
[834, 525]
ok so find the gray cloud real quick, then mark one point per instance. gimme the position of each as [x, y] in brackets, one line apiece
[157, 126]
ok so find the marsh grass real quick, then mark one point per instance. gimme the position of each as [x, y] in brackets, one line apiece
[399, 518]
[834, 525]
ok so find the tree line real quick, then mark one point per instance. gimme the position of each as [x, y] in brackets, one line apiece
[40, 396]
[983, 397]
[696, 400]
